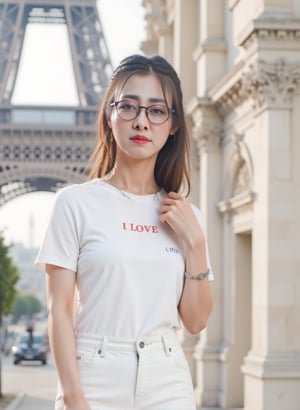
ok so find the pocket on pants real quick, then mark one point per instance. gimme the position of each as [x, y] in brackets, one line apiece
[182, 368]
[85, 356]
[179, 358]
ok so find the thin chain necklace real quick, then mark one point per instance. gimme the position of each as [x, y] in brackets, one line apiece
[126, 195]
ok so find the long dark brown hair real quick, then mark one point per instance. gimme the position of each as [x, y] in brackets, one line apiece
[172, 164]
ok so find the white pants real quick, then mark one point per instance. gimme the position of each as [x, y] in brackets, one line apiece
[149, 374]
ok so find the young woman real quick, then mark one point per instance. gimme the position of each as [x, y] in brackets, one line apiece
[131, 250]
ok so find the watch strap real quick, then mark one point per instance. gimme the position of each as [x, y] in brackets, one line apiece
[201, 275]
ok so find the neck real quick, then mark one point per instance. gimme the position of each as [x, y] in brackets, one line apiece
[136, 182]
[133, 187]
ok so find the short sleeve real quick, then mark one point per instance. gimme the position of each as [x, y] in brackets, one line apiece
[60, 245]
[199, 217]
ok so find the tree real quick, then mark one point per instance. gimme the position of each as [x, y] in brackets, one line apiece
[26, 304]
[8, 279]
[34, 304]
[20, 308]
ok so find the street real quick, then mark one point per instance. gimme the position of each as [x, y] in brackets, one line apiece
[36, 381]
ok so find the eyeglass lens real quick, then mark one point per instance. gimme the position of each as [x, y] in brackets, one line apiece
[156, 113]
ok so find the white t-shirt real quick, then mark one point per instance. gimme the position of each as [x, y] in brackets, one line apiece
[130, 268]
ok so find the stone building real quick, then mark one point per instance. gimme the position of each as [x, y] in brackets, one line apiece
[239, 61]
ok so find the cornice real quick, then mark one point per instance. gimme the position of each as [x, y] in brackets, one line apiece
[284, 29]
[239, 201]
[228, 86]
[273, 38]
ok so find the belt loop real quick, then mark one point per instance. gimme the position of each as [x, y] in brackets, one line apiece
[102, 349]
[166, 347]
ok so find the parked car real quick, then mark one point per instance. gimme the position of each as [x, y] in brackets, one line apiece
[28, 347]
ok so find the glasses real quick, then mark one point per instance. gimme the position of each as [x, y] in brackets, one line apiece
[156, 113]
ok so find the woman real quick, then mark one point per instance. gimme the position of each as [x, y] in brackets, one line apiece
[133, 251]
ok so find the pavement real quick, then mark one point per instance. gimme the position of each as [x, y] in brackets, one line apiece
[26, 402]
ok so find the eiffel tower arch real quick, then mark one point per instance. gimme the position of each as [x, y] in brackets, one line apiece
[43, 147]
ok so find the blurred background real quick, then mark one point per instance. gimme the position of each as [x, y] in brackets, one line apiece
[45, 77]
[239, 65]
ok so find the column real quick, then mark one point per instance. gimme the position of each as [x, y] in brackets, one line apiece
[272, 367]
[185, 42]
[206, 133]
[210, 53]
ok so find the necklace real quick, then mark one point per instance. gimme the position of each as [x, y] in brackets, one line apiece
[127, 195]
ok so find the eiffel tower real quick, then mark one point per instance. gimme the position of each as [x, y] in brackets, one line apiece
[45, 147]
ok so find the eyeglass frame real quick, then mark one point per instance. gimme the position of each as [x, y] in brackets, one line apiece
[139, 108]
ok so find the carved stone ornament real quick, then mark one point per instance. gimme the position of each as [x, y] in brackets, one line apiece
[250, 88]
[242, 182]
[207, 126]
[207, 137]
[263, 83]
[232, 98]
[239, 178]
[271, 83]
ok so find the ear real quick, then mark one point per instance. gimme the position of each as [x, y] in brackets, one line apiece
[173, 130]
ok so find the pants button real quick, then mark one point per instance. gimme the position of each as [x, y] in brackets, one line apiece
[142, 345]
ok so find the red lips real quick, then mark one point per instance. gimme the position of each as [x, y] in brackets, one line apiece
[140, 139]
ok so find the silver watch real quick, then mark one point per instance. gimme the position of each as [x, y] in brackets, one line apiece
[201, 275]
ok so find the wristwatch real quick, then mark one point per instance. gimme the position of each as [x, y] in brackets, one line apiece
[201, 275]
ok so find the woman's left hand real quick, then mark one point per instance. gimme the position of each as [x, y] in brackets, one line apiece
[177, 212]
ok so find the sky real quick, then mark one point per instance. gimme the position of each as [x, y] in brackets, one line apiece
[24, 219]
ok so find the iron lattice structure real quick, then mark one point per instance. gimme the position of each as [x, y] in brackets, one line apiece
[45, 147]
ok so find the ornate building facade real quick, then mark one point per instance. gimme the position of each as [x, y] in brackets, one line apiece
[239, 62]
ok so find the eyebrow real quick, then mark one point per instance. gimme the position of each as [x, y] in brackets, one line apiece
[136, 97]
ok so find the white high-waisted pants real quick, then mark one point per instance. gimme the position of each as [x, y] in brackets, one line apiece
[149, 374]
